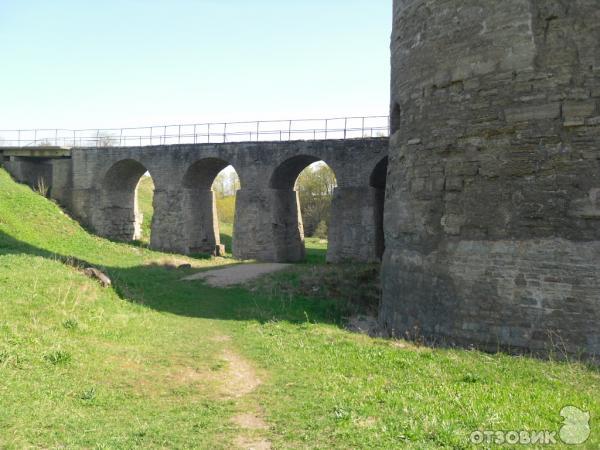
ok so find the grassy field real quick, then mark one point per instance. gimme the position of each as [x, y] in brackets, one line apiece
[155, 362]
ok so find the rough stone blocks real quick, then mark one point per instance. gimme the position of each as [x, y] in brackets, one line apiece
[492, 216]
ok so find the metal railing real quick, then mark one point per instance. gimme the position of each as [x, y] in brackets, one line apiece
[271, 130]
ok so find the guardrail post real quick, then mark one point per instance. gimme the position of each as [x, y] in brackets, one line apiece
[345, 127]
[194, 133]
[257, 131]
[179, 135]
[224, 133]
[290, 132]
[326, 127]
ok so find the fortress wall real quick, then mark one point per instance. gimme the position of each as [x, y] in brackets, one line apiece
[492, 213]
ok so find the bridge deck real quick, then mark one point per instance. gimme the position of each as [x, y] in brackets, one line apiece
[37, 152]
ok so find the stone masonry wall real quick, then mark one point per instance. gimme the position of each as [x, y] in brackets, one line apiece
[492, 215]
[267, 223]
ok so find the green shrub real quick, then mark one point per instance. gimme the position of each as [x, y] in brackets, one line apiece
[321, 230]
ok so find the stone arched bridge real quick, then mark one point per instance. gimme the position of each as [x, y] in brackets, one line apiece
[98, 186]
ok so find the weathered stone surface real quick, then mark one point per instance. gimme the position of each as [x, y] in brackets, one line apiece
[527, 113]
[355, 224]
[499, 100]
[579, 110]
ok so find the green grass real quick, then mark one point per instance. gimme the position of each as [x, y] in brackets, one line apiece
[142, 364]
[316, 250]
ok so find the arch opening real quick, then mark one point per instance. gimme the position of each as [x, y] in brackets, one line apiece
[210, 189]
[145, 202]
[225, 186]
[127, 203]
[378, 182]
[303, 187]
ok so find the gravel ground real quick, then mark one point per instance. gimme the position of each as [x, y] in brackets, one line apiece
[230, 276]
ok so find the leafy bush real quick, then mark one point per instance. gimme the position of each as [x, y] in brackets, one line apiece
[321, 230]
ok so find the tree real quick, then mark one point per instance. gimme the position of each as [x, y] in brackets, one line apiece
[220, 185]
[104, 139]
[315, 187]
[226, 185]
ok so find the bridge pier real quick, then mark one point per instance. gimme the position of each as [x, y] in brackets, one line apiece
[355, 225]
[167, 232]
[287, 227]
[201, 224]
[185, 221]
[251, 228]
[268, 226]
[120, 223]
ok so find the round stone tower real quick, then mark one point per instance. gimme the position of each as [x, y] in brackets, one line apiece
[492, 213]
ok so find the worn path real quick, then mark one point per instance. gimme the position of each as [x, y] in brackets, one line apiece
[230, 276]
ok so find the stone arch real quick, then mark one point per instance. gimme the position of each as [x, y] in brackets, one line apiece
[286, 220]
[378, 181]
[286, 174]
[201, 222]
[121, 218]
[202, 173]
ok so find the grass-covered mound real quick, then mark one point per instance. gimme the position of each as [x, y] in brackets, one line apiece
[157, 363]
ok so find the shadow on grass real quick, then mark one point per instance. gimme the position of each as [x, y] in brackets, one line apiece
[160, 287]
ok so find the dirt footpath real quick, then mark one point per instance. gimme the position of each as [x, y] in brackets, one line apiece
[230, 276]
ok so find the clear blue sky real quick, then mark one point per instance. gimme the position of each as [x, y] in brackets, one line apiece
[75, 64]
